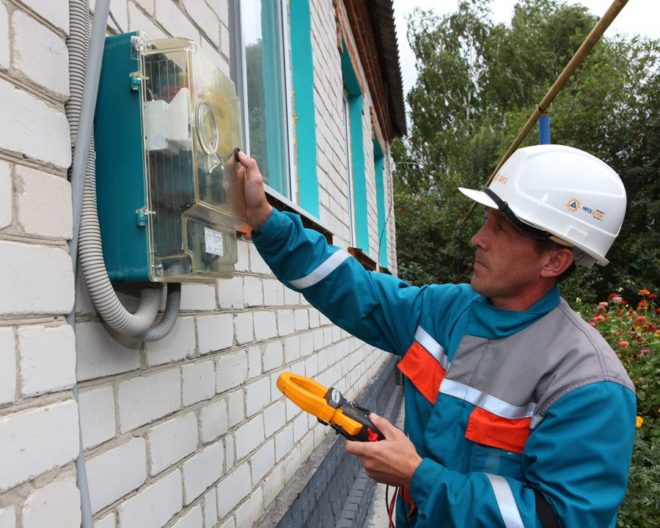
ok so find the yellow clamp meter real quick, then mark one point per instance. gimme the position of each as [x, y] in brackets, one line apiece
[330, 407]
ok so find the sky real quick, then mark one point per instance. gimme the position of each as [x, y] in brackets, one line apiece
[637, 17]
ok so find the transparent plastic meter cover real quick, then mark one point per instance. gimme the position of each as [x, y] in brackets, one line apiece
[192, 124]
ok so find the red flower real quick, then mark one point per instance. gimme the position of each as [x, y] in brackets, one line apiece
[624, 344]
[643, 292]
[652, 296]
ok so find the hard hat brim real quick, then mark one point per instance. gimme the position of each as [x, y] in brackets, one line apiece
[479, 197]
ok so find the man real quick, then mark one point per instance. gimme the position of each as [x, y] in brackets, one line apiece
[518, 413]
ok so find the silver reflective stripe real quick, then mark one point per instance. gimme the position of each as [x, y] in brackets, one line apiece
[485, 401]
[326, 268]
[505, 502]
[431, 346]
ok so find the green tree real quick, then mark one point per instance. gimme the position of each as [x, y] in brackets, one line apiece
[478, 82]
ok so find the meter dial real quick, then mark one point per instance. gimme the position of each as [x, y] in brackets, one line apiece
[207, 128]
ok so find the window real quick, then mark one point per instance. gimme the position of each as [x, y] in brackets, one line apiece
[261, 71]
[379, 171]
[348, 149]
[273, 69]
[354, 101]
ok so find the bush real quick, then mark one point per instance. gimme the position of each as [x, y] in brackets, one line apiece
[633, 331]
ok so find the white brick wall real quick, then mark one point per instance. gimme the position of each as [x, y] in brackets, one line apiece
[7, 518]
[244, 327]
[249, 510]
[4, 38]
[40, 131]
[213, 420]
[202, 470]
[24, 434]
[265, 325]
[153, 506]
[38, 192]
[190, 519]
[143, 399]
[138, 21]
[55, 11]
[263, 461]
[48, 358]
[231, 371]
[6, 201]
[180, 343]
[198, 382]
[41, 55]
[205, 18]
[29, 287]
[97, 415]
[171, 441]
[249, 436]
[99, 354]
[210, 509]
[230, 293]
[253, 291]
[214, 333]
[197, 297]
[7, 366]
[174, 21]
[233, 489]
[106, 522]
[116, 472]
[56, 504]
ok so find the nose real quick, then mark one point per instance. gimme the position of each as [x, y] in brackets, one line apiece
[478, 240]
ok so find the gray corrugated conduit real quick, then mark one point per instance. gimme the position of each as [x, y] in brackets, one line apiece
[84, 72]
[80, 112]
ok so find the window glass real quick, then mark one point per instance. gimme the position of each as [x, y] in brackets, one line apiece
[266, 81]
[349, 165]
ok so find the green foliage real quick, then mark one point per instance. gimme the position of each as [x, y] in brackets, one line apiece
[633, 331]
[478, 83]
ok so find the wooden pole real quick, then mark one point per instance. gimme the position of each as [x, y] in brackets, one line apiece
[578, 58]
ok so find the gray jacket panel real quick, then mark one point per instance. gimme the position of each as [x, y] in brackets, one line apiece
[552, 357]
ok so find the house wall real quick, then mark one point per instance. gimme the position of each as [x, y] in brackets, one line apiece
[189, 431]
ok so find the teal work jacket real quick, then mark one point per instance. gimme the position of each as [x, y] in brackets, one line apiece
[510, 410]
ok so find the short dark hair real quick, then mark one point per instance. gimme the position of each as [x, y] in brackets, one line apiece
[544, 245]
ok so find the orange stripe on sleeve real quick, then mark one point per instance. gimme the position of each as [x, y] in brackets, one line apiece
[422, 369]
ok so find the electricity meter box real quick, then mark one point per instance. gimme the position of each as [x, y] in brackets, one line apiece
[166, 123]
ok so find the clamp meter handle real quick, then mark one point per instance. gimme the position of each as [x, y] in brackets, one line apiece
[330, 407]
[367, 433]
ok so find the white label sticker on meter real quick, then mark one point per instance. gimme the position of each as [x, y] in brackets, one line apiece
[213, 241]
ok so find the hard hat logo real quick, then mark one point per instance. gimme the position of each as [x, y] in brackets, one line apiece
[595, 213]
[573, 205]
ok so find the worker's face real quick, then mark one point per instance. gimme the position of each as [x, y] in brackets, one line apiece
[506, 263]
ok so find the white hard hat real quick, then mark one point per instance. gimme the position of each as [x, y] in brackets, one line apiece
[555, 191]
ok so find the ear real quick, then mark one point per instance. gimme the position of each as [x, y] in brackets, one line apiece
[557, 261]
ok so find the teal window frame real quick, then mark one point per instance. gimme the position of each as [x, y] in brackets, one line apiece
[356, 108]
[305, 111]
[381, 206]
